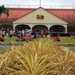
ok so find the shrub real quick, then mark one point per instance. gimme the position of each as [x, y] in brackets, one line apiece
[40, 57]
[1, 39]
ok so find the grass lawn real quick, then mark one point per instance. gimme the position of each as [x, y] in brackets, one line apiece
[66, 40]
[12, 40]
[63, 40]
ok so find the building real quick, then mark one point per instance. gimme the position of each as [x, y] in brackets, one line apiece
[55, 20]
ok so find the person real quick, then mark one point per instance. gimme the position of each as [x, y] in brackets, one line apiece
[27, 38]
[35, 34]
[3, 33]
[46, 33]
[42, 33]
[23, 32]
[29, 32]
[11, 33]
[49, 33]
[38, 35]
[8, 31]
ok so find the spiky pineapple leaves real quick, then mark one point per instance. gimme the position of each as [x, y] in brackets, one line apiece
[39, 57]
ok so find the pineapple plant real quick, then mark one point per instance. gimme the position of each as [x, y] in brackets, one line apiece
[39, 57]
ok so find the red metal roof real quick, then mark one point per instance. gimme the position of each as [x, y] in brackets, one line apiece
[66, 14]
[14, 13]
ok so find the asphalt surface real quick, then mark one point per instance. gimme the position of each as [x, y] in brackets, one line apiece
[9, 46]
[71, 47]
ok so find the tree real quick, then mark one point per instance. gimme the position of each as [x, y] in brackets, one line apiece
[5, 10]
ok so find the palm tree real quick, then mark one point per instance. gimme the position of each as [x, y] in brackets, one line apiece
[4, 10]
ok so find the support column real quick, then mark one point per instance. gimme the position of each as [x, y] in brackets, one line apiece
[65, 26]
[14, 25]
[31, 26]
[49, 26]
[65, 30]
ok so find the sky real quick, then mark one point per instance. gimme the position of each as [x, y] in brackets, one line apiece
[37, 2]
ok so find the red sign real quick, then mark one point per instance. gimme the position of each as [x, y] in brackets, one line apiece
[40, 17]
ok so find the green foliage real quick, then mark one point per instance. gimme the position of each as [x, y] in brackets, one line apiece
[4, 10]
[40, 57]
[10, 39]
[67, 40]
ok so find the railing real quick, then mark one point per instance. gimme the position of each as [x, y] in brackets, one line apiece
[36, 6]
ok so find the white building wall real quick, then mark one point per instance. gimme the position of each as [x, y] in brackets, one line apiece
[47, 25]
[31, 20]
[32, 17]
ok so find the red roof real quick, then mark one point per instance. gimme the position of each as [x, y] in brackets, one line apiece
[15, 13]
[66, 14]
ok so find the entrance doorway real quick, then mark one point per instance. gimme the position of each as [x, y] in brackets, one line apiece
[6, 27]
[22, 27]
[39, 28]
[57, 29]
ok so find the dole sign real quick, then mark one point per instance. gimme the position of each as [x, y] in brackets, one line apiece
[40, 17]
